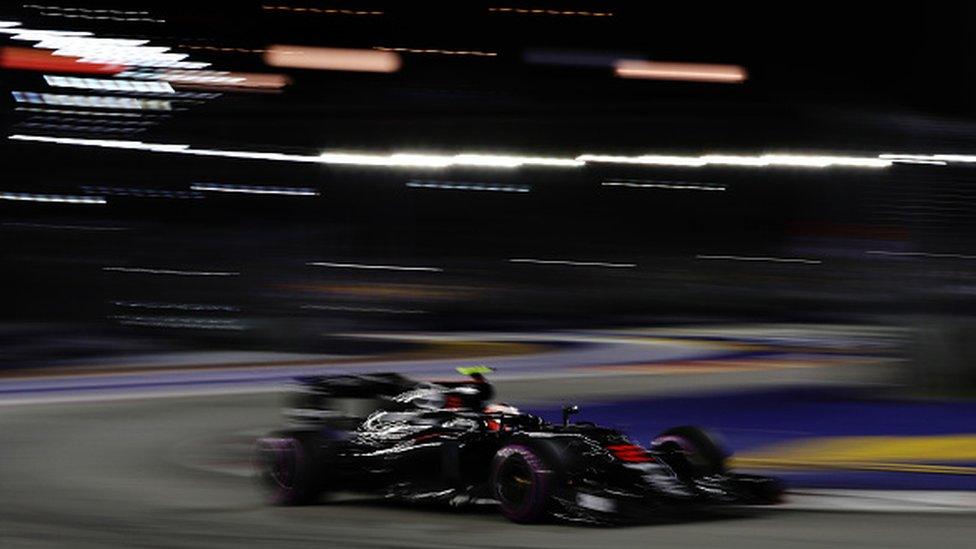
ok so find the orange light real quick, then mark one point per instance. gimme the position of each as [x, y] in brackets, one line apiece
[333, 59]
[231, 81]
[692, 72]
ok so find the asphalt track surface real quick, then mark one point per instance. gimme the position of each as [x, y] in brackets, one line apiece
[171, 472]
[126, 468]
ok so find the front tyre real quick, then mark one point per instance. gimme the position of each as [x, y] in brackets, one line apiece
[522, 483]
[287, 469]
[701, 451]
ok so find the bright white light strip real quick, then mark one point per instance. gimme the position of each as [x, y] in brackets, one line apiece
[413, 160]
[247, 189]
[373, 267]
[89, 44]
[759, 258]
[458, 186]
[91, 101]
[109, 84]
[65, 199]
[34, 35]
[113, 51]
[141, 270]
[445, 161]
[677, 186]
[649, 159]
[801, 161]
[573, 263]
[921, 254]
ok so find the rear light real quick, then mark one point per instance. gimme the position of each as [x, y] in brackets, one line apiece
[629, 453]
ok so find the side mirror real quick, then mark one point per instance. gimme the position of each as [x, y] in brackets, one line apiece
[569, 411]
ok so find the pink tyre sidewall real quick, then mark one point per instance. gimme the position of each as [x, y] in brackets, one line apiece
[534, 506]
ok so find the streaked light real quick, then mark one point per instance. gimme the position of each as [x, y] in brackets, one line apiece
[541, 11]
[934, 159]
[84, 10]
[495, 160]
[921, 254]
[176, 306]
[20, 33]
[670, 185]
[140, 193]
[125, 16]
[108, 84]
[250, 189]
[89, 128]
[66, 199]
[475, 53]
[765, 160]
[734, 160]
[373, 267]
[464, 186]
[761, 258]
[817, 161]
[71, 112]
[439, 161]
[649, 159]
[693, 72]
[51, 116]
[27, 59]
[232, 81]
[913, 159]
[92, 101]
[321, 11]
[444, 161]
[83, 47]
[573, 263]
[334, 59]
[350, 309]
[180, 322]
[175, 272]
[182, 75]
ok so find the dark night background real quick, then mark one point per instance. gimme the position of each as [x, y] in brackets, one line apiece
[828, 77]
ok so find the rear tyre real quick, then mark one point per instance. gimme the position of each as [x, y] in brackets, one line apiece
[522, 483]
[287, 468]
[702, 452]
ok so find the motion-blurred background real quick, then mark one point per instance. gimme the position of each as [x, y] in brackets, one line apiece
[654, 198]
[657, 240]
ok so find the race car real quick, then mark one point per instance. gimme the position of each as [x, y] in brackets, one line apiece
[448, 442]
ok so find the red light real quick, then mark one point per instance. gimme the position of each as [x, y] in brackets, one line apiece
[42, 60]
[630, 453]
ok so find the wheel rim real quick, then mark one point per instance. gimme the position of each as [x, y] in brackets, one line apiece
[515, 481]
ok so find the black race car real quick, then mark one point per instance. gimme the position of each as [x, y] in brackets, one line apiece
[447, 442]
